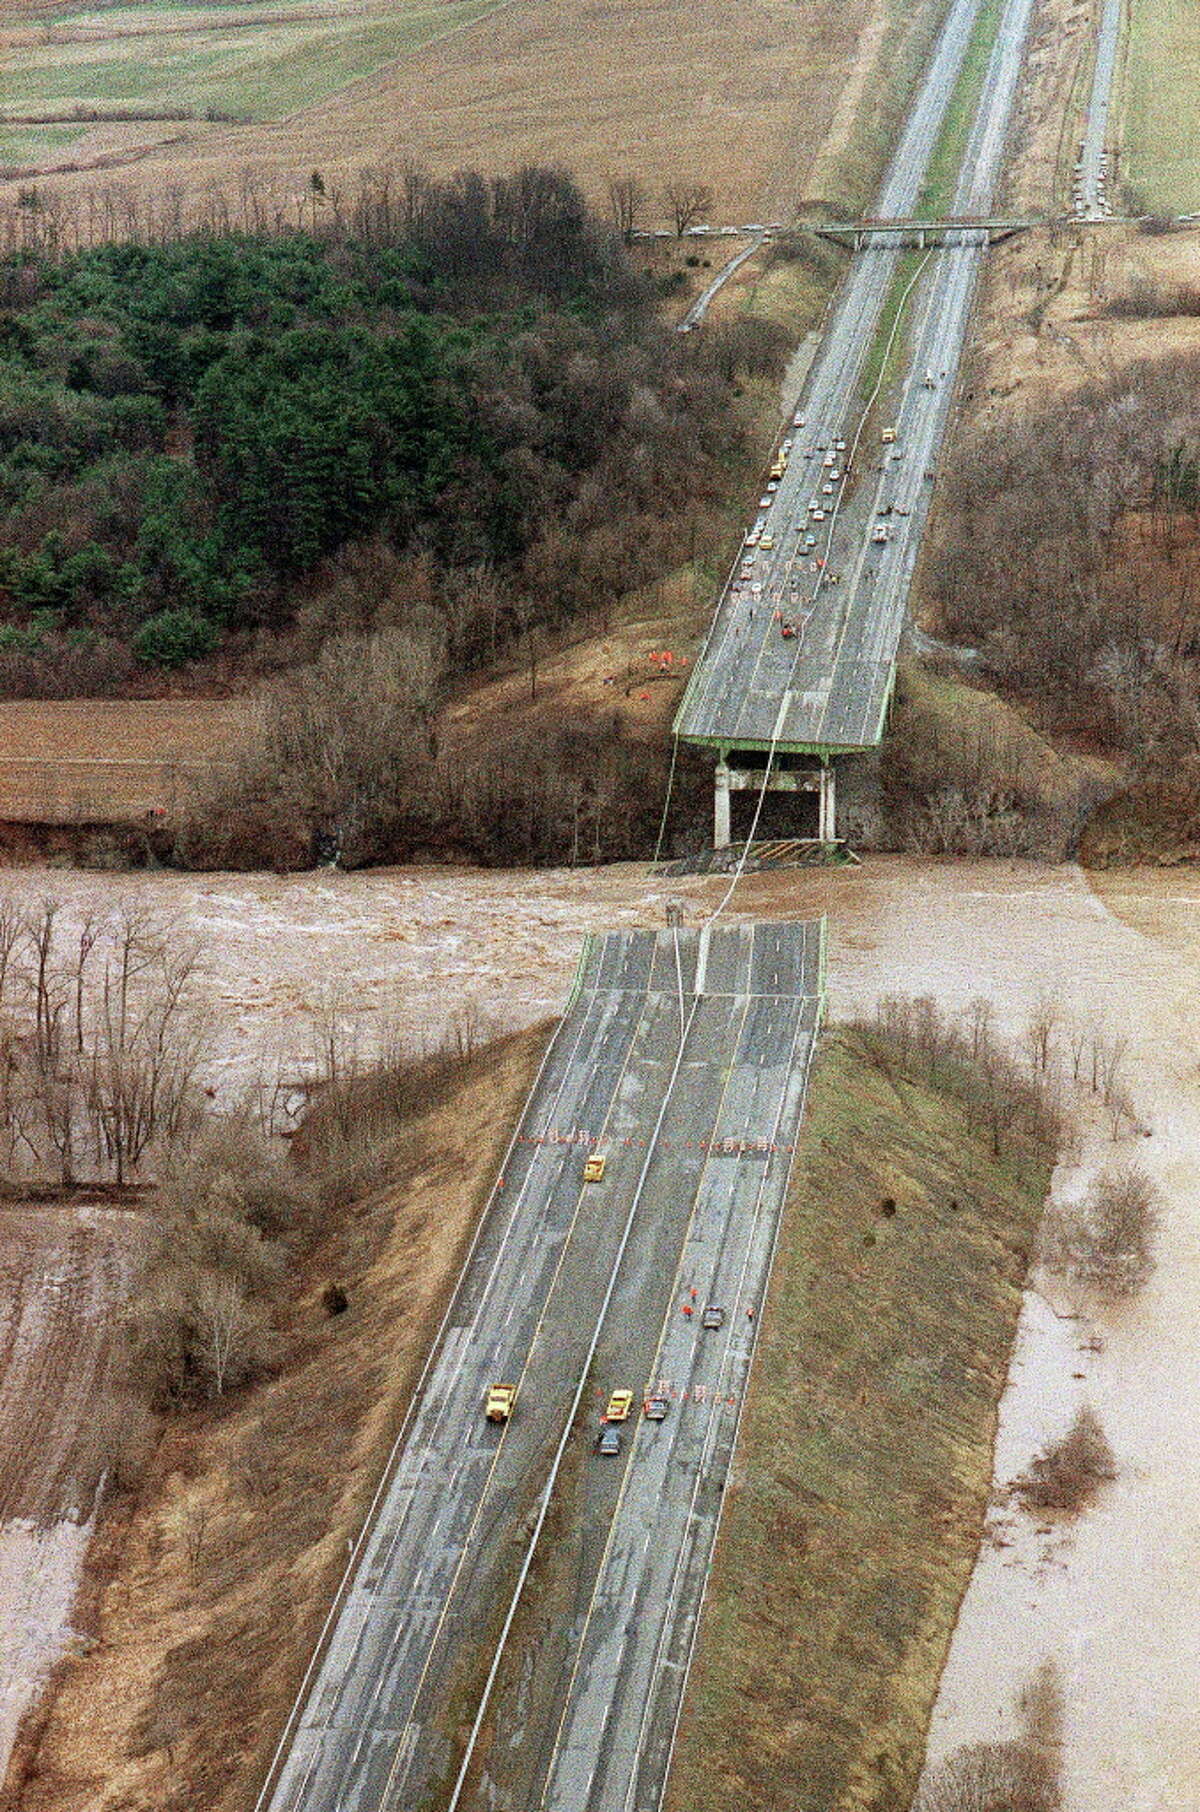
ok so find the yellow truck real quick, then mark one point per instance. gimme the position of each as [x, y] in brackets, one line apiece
[500, 1400]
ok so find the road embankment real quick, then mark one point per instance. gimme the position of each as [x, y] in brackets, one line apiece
[856, 1506]
[205, 1590]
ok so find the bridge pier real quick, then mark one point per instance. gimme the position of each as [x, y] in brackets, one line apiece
[734, 777]
[721, 820]
[827, 806]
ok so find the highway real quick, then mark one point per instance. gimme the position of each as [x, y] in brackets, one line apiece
[1091, 179]
[845, 591]
[672, 1041]
[683, 1056]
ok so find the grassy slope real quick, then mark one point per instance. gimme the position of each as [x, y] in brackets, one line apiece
[206, 1592]
[255, 65]
[865, 1457]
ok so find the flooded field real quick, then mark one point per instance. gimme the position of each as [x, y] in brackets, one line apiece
[64, 1276]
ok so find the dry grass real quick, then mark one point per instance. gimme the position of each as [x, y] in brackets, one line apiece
[740, 96]
[206, 1594]
[951, 741]
[853, 1520]
[1163, 78]
[254, 61]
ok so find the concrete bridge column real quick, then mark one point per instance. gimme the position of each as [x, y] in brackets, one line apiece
[827, 806]
[721, 819]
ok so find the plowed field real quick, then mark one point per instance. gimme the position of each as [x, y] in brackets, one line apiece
[107, 761]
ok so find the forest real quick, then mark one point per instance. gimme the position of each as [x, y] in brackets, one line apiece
[206, 441]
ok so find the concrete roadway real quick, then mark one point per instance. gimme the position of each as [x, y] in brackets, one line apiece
[1091, 200]
[829, 687]
[613, 1744]
[452, 1524]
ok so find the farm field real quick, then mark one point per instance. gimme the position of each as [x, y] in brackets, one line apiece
[1163, 69]
[90, 761]
[169, 62]
[740, 96]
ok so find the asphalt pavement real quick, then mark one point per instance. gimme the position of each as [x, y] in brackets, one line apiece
[826, 688]
[1091, 181]
[378, 1726]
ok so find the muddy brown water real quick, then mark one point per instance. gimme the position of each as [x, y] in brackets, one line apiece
[1115, 1602]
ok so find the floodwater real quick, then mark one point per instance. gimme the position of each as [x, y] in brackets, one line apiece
[40, 1568]
[1115, 1600]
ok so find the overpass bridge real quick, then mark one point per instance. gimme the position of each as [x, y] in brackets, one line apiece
[860, 235]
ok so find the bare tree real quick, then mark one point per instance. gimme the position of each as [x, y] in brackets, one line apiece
[145, 1045]
[979, 1025]
[1108, 1238]
[1040, 1032]
[1077, 1039]
[627, 200]
[687, 202]
[228, 1332]
[1068, 1472]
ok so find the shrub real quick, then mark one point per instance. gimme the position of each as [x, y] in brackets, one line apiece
[1107, 1239]
[1067, 1473]
[990, 1777]
[174, 637]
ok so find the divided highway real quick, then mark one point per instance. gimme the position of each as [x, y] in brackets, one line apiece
[845, 589]
[683, 1057]
[1092, 177]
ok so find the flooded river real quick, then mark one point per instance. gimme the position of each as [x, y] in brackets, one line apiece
[1115, 1602]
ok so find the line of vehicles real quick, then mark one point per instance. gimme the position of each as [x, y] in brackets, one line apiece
[749, 584]
[501, 1398]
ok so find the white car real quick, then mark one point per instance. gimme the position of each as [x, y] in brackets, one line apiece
[827, 490]
[829, 460]
[797, 420]
[835, 476]
[879, 532]
[756, 589]
[764, 502]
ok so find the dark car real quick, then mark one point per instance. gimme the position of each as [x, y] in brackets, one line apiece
[608, 1440]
